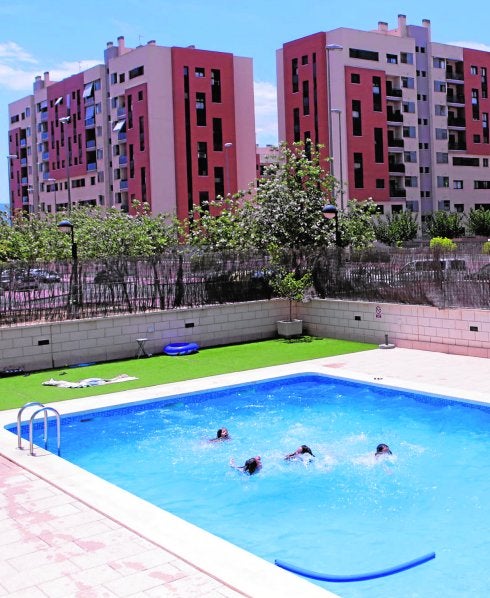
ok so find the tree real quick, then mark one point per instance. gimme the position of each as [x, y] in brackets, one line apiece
[479, 222]
[445, 224]
[287, 207]
[289, 286]
[356, 225]
[394, 229]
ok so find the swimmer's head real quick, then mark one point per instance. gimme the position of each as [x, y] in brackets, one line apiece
[222, 433]
[252, 465]
[304, 449]
[383, 449]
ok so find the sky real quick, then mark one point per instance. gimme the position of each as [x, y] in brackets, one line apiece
[67, 37]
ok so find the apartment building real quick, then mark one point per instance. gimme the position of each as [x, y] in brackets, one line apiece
[404, 119]
[174, 127]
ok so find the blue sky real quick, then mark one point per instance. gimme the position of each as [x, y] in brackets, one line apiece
[65, 37]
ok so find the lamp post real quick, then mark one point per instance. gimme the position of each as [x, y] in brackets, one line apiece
[227, 146]
[330, 211]
[65, 120]
[53, 182]
[10, 157]
[339, 114]
[66, 226]
[330, 48]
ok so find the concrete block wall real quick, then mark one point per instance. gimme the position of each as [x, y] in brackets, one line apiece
[44, 346]
[457, 331]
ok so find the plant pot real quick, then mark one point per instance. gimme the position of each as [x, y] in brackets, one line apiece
[289, 328]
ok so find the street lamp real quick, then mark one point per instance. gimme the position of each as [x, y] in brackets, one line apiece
[65, 120]
[53, 182]
[227, 146]
[66, 226]
[330, 211]
[330, 48]
[10, 157]
[339, 114]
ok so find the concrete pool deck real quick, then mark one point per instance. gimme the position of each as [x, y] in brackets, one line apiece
[65, 532]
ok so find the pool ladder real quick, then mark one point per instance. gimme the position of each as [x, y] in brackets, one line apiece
[44, 410]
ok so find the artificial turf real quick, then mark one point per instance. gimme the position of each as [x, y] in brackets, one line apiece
[17, 390]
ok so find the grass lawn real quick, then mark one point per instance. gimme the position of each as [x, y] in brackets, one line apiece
[15, 391]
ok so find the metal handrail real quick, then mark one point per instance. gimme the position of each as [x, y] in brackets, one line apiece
[19, 414]
[58, 425]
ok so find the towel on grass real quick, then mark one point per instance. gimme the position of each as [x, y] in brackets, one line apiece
[88, 381]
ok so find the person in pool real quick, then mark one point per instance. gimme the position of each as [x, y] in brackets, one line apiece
[221, 434]
[251, 466]
[382, 449]
[301, 450]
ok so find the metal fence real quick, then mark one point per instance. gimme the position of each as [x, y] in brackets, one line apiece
[189, 278]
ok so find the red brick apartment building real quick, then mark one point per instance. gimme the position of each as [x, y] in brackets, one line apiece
[404, 118]
[174, 127]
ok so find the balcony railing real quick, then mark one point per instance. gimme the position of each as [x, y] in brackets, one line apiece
[399, 168]
[91, 166]
[91, 143]
[456, 145]
[455, 98]
[456, 122]
[396, 143]
[393, 92]
[123, 160]
[398, 193]
[396, 117]
[451, 75]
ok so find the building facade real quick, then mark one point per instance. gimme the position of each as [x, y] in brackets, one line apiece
[173, 127]
[404, 119]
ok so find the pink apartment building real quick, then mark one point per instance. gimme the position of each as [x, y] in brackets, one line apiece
[404, 118]
[174, 127]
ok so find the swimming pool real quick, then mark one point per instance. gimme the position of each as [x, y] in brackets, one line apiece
[344, 513]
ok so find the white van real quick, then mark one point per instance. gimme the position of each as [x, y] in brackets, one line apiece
[431, 269]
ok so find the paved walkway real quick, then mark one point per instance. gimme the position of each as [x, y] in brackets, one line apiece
[55, 545]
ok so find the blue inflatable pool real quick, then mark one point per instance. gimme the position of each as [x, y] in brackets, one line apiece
[181, 348]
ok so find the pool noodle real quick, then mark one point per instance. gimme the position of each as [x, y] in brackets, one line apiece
[358, 577]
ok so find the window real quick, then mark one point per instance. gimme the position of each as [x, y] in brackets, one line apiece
[140, 96]
[438, 63]
[392, 59]
[463, 161]
[457, 184]
[296, 126]
[378, 145]
[202, 158]
[476, 139]
[411, 181]
[113, 78]
[122, 78]
[215, 85]
[377, 94]
[217, 135]
[475, 104]
[219, 186]
[442, 181]
[459, 207]
[409, 132]
[358, 171]
[380, 183]
[363, 54]
[442, 158]
[441, 134]
[440, 110]
[355, 78]
[440, 86]
[306, 98]
[410, 157]
[204, 200]
[481, 184]
[485, 162]
[356, 118]
[136, 72]
[199, 72]
[294, 75]
[88, 90]
[408, 82]
[304, 59]
[473, 70]
[141, 132]
[406, 57]
[201, 109]
[409, 107]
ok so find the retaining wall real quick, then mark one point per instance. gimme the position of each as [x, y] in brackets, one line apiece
[44, 346]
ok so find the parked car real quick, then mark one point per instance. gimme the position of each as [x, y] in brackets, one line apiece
[18, 280]
[482, 274]
[431, 269]
[45, 275]
[108, 277]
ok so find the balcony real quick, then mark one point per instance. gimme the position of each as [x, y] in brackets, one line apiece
[452, 76]
[457, 98]
[23, 142]
[23, 161]
[456, 122]
[121, 112]
[392, 92]
[394, 116]
[45, 155]
[121, 136]
[393, 142]
[44, 117]
[456, 146]
[91, 144]
[91, 166]
[123, 160]
[44, 136]
[123, 184]
[396, 168]
[398, 193]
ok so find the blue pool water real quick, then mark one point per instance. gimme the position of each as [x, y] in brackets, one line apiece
[342, 513]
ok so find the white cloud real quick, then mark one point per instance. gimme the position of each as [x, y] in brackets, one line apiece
[472, 45]
[265, 112]
[12, 50]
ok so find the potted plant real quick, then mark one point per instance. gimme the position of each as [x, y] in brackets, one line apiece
[288, 286]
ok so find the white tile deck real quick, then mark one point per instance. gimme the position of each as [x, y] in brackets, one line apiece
[65, 532]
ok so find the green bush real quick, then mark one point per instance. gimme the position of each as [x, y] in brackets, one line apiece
[442, 244]
[486, 247]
